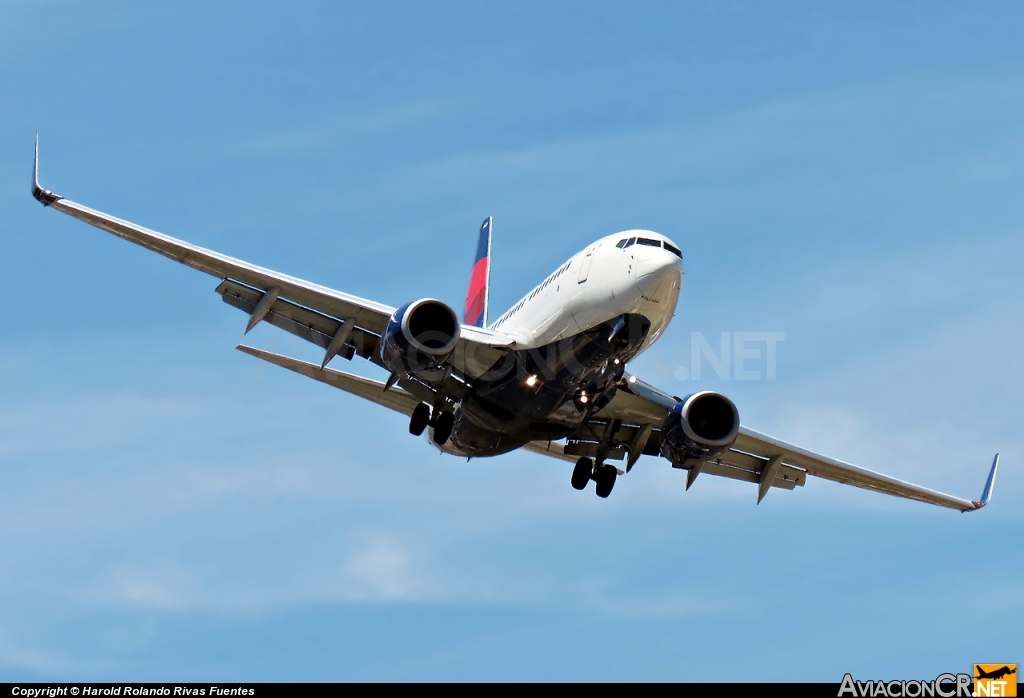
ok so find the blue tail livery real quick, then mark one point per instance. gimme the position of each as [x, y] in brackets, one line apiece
[480, 279]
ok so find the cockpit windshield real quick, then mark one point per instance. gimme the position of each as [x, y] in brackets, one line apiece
[649, 242]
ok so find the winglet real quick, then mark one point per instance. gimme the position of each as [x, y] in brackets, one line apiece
[42, 195]
[986, 495]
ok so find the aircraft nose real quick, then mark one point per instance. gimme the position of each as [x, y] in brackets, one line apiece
[658, 273]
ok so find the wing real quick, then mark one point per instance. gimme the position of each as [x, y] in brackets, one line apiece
[402, 397]
[754, 457]
[397, 398]
[772, 452]
[340, 323]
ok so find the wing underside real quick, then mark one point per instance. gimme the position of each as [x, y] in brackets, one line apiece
[765, 460]
[396, 397]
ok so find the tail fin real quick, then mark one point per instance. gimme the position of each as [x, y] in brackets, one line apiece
[478, 294]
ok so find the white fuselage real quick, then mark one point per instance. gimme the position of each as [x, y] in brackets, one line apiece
[599, 283]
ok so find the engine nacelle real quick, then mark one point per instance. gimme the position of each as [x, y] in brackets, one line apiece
[420, 336]
[702, 425]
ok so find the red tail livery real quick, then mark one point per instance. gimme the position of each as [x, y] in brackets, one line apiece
[480, 279]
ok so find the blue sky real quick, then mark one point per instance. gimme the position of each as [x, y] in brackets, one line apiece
[848, 174]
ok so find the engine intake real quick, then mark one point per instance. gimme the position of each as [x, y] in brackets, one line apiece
[420, 336]
[702, 425]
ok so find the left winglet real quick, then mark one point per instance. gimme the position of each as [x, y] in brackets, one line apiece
[986, 495]
[43, 196]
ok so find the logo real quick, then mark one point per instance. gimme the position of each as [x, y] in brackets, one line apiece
[995, 680]
[990, 681]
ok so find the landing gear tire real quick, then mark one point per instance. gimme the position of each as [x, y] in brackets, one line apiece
[581, 473]
[419, 419]
[605, 478]
[443, 427]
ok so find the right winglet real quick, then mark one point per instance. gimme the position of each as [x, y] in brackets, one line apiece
[42, 195]
[986, 495]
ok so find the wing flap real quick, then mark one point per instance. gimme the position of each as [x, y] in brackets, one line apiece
[752, 468]
[302, 322]
[787, 480]
[746, 461]
[550, 448]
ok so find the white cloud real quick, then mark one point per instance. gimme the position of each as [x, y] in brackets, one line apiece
[384, 570]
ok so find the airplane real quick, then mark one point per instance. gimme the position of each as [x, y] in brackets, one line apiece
[995, 674]
[548, 376]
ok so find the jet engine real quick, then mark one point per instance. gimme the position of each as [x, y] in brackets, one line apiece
[702, 425]
[420, 336]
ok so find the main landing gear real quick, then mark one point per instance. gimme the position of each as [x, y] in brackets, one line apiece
[420, 418]
[603, 475]
[443, 422]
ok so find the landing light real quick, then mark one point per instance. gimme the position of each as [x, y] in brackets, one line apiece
[583, 398]
[617, 362]
[632, 379]
[531, 381]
